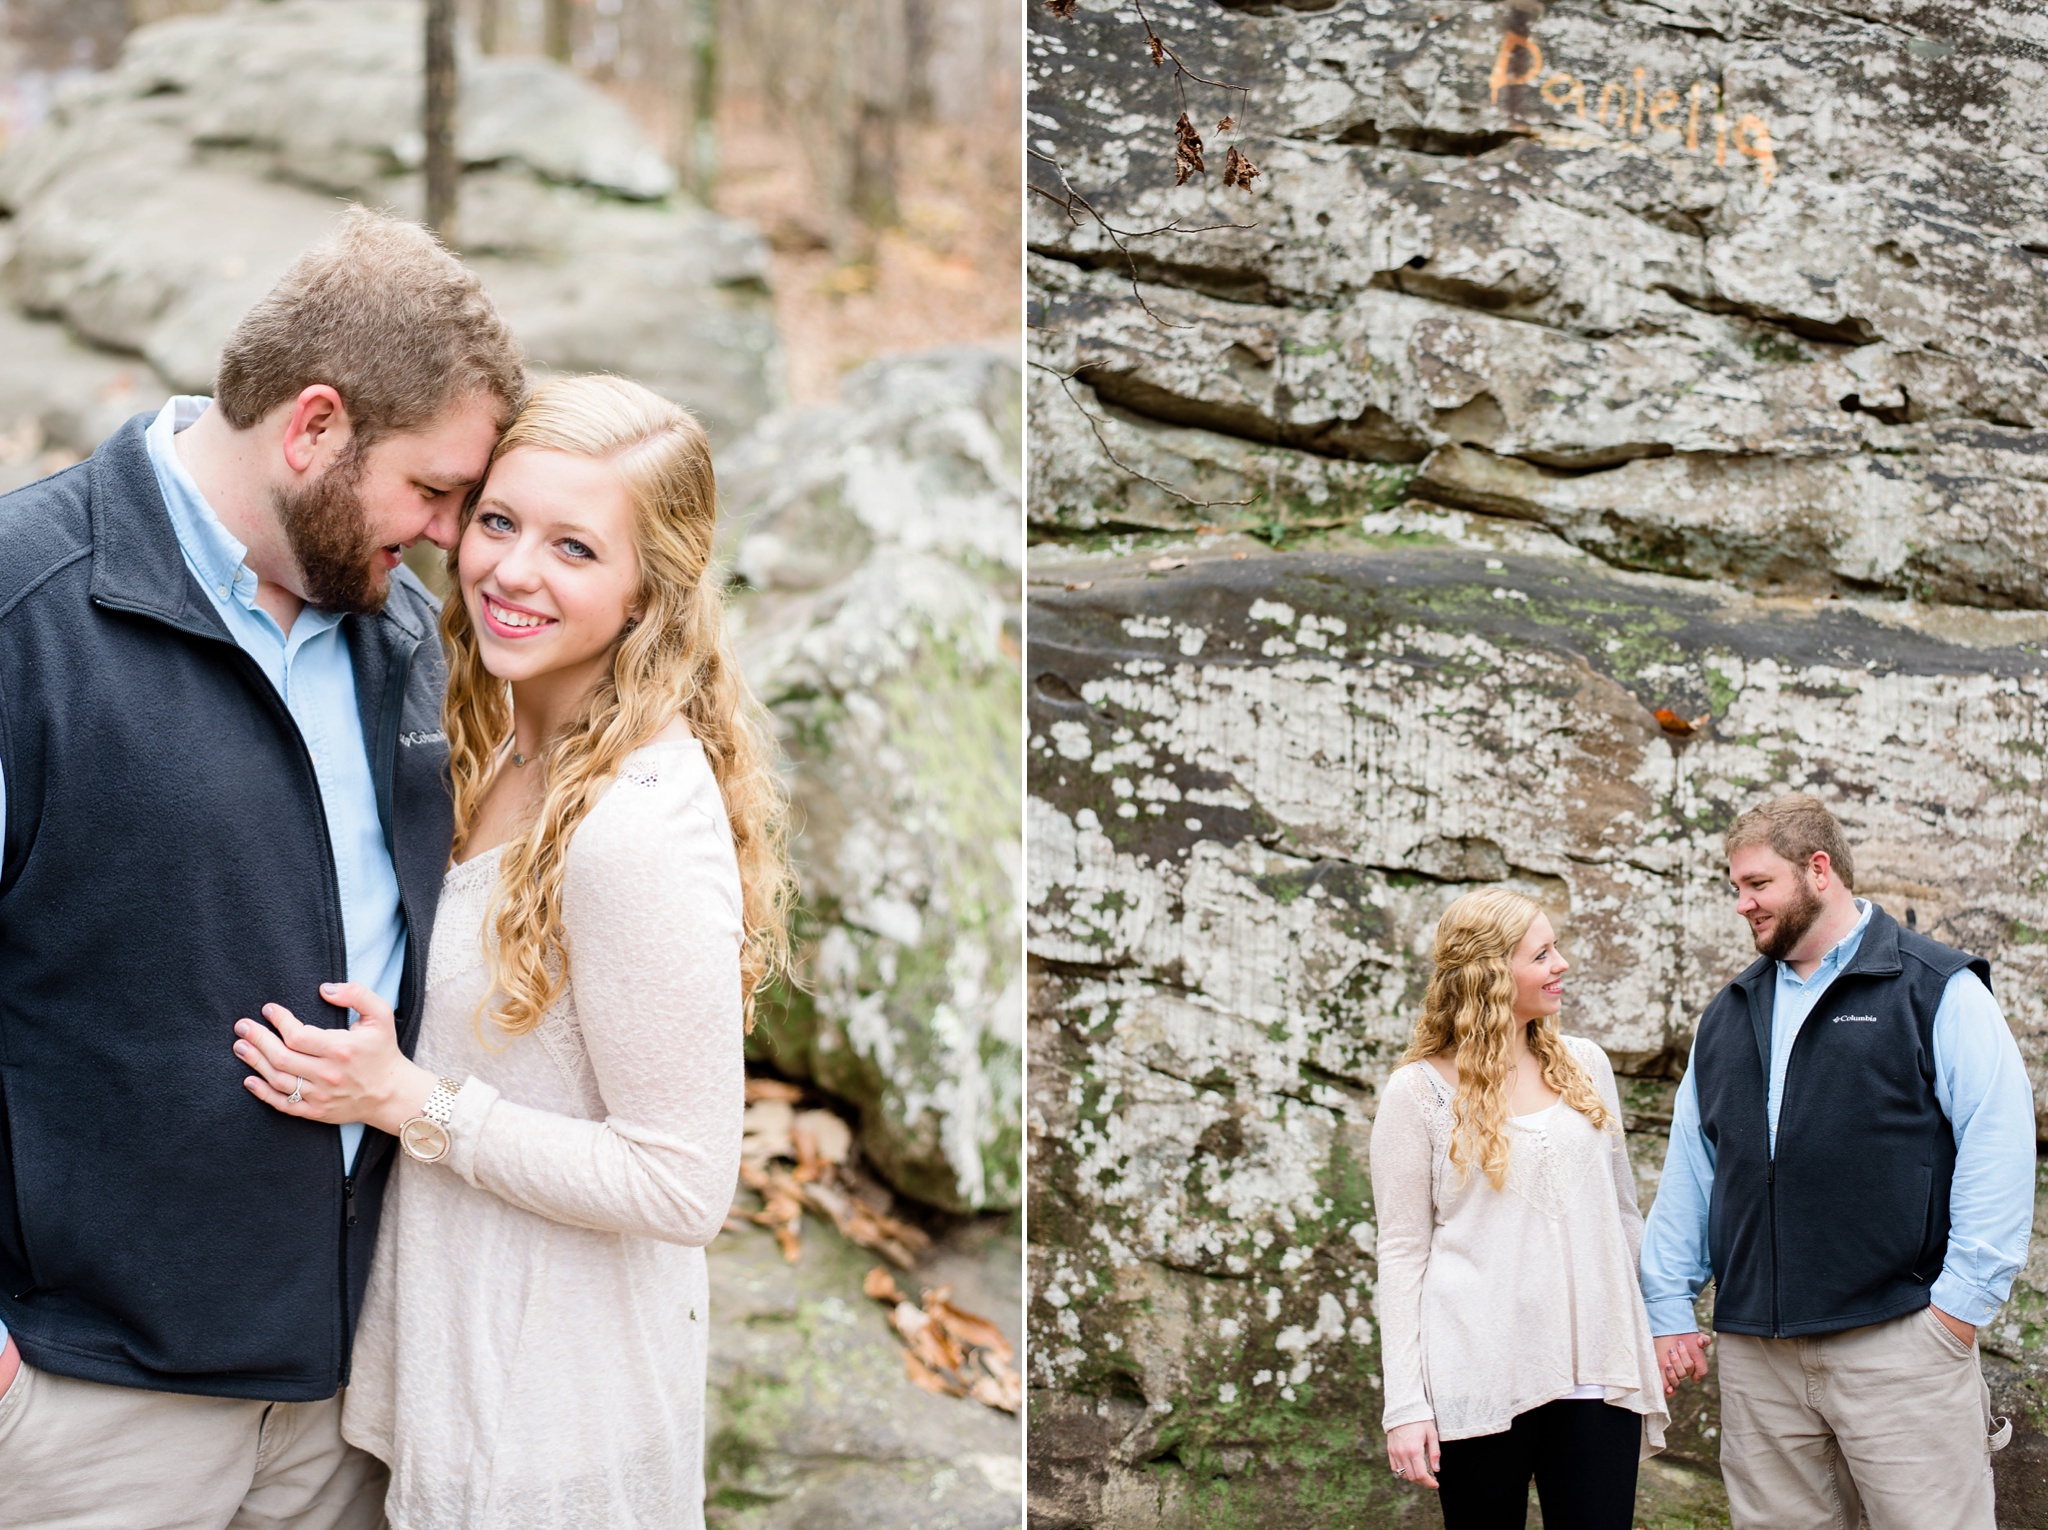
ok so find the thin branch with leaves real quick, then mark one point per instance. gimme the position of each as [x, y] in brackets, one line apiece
[1188, 162]
[1073, 204]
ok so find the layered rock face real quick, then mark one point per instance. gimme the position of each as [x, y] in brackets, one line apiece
[880, 541]
[1577, 363]
[167, 194]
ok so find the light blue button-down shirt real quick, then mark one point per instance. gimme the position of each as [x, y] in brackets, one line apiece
[1982, 1087]
[310, 668]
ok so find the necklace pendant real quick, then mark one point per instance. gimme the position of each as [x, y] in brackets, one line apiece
[520, 759]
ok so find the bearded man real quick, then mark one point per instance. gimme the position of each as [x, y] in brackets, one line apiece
[221, 784]
[1852, 1162]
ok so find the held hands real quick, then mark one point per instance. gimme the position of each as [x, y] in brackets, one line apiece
[340, 1076]
[1682, 1355]
[1414, 1452]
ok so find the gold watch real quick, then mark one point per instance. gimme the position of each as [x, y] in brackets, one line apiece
[425, 1136]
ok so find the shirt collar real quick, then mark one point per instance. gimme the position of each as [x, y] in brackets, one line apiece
[214, 553]
[1839, 956]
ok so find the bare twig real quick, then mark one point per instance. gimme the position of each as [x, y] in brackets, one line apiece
[1066, 380]
[1073, 204]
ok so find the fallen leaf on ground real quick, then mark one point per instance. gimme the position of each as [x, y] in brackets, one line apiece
[964, 1327]
[924, 1376]
[947, 1348]
[1161, 565]
[822, 1141]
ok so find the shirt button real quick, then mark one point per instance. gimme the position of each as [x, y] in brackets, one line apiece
[222, 588]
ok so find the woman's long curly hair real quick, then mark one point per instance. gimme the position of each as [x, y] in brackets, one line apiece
[676, 661]
[1469, 1011]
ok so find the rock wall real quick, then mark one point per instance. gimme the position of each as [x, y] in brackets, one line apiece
[1578, 362]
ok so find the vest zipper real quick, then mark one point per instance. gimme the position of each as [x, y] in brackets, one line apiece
[1771, 1196]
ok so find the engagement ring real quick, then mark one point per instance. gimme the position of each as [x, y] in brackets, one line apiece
[297, 1084]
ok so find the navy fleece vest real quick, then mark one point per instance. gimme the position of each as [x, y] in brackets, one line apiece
[165, 871]
[1848, 1224]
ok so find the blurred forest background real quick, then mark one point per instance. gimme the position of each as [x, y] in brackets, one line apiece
[876, 149]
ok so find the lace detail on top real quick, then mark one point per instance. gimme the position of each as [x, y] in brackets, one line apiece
[638, 772]
[1550, 1152]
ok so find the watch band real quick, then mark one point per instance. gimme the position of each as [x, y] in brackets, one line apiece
[440, 1105]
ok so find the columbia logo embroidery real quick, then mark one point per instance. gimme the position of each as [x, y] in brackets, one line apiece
[1855, 1019]
[410, 739]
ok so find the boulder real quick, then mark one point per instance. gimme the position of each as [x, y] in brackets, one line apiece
[1597, 417]
[813, 1421]
[165, 195]
[879, 538]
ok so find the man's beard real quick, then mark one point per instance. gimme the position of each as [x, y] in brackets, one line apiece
[328, 531]
[1792, 923]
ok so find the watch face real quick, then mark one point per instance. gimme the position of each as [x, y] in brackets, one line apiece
[426, 1140]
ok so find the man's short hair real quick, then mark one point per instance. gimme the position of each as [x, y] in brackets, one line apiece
[383, 314]
[1795, 826]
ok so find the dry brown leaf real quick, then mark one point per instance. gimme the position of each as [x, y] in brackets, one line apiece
[881, 1286]
[895, 1241]
[927, 1340]
[924, 1376]
[820, 1141]
[1238, 170]
[1187, 151]
[1226, 124]
[1158, 51]
[1082, 584]
[759, 1089]
[1064, 9]
[965, 1328]
[1679, 727]
[1005, 1391]
[1161, 565]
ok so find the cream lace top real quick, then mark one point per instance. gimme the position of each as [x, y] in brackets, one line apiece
[532, 1348]
[1493, 1302]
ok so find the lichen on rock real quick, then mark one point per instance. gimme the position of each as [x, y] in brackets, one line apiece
[879, 538]
[1569, 363]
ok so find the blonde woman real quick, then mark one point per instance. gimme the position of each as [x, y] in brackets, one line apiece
[532, 1346]
[1513, 1334]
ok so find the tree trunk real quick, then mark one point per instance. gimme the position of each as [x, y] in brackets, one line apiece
[489, 25]
[697, 163]
[559, 44]
[443, 168]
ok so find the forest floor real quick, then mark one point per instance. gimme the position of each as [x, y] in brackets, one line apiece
[949, 273]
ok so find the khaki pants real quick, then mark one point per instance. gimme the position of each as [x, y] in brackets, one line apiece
[1888, 1426]
[79, 1455]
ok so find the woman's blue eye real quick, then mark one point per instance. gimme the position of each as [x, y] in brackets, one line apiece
[576, 549]
[495, 522]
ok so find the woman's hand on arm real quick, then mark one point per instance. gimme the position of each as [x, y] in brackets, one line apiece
[1414, 1452]
[357, 1074]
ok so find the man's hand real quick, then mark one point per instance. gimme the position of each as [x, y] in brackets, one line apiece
[1965, 1332]
[1682, 1355]
[1414, 1453]
[10, 1365]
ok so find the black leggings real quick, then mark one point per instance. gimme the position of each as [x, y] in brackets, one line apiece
[1581, 1453]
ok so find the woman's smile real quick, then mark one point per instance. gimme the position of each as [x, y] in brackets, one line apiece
[506, 620]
